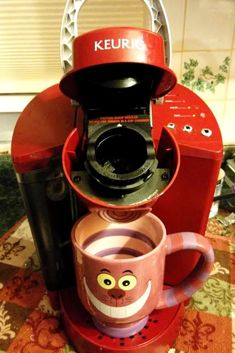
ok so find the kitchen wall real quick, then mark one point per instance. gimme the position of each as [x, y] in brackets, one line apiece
[203, 43]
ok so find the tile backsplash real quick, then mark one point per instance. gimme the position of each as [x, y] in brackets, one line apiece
[203, 34]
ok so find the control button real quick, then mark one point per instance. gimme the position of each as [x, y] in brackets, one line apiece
[171, 125]
[206, 132]
[187, 128]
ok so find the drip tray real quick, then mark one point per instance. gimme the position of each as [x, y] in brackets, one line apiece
[157, 336]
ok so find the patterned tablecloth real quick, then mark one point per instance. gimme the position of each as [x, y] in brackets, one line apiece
[28, 324]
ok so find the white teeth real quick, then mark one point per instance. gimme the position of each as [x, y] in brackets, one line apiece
[120, 312]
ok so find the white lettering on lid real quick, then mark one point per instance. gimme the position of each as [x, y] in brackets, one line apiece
[107, 44]
[125, 43]
[119, 43]
[98, 45]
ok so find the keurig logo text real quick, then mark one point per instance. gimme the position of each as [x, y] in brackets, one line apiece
[119, 43]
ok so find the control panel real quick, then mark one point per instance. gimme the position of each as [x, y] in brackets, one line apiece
[189, 119]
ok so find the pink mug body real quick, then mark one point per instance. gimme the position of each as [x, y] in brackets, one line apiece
[120, 267]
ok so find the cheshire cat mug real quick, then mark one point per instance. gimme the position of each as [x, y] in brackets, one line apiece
[120, 270]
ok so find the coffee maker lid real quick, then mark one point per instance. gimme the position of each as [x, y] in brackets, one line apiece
[118, 58]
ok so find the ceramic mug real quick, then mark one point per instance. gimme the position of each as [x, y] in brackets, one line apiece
[120, 270]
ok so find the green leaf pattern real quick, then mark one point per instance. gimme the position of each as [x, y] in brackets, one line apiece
[216, 296]
[203, 79]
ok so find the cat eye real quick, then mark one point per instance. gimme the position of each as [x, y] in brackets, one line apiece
[106, 281]
[127, 282]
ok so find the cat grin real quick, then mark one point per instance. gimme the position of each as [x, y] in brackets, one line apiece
[120, 312]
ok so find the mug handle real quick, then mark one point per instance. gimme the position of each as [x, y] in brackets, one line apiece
[184, 290]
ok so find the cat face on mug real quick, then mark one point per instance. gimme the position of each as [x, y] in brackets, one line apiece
[117, 294]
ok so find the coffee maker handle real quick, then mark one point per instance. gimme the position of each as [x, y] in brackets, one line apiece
[185, 289]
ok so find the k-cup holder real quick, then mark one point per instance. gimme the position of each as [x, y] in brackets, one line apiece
[121, 158]
[112, 186]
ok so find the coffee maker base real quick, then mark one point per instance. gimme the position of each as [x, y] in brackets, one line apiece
[157, 336]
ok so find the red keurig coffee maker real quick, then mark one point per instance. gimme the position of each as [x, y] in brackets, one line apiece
[137, 142]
